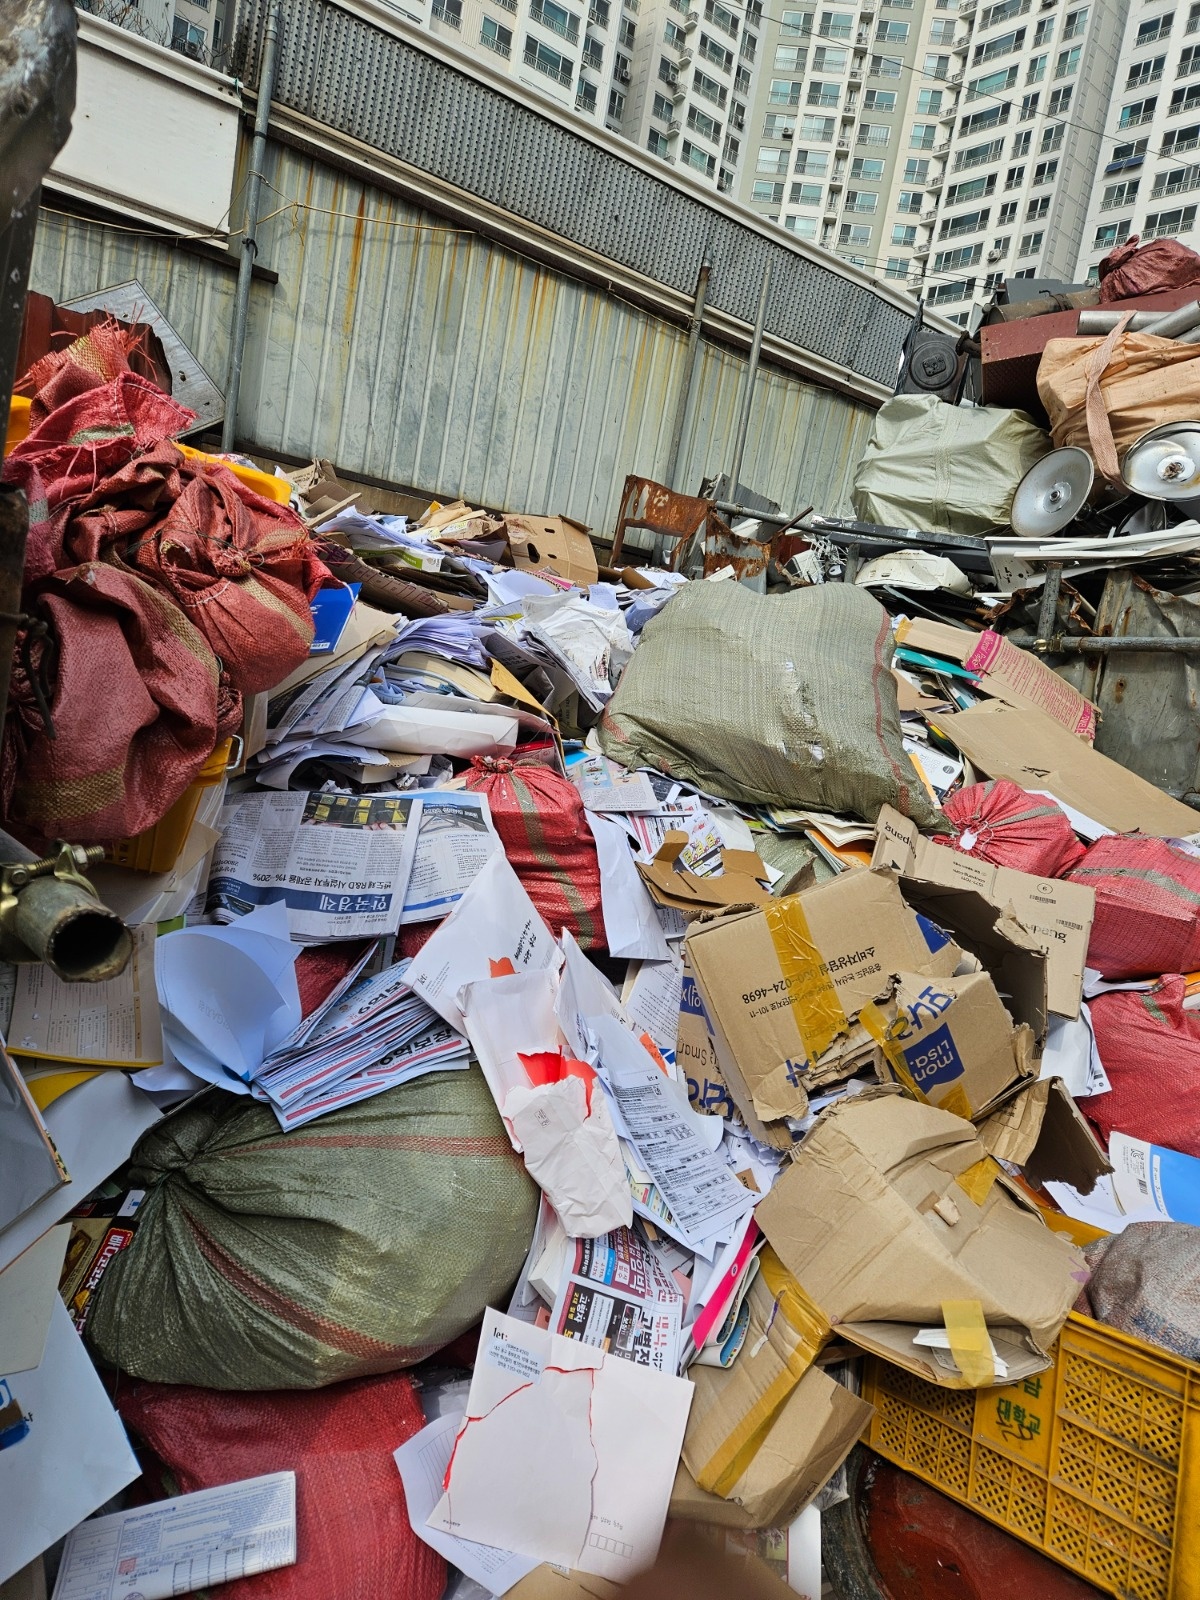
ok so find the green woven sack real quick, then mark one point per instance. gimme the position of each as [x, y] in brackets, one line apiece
[771, 700]
[359, 1243]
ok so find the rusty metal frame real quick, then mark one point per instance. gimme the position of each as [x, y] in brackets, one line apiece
[684, 524]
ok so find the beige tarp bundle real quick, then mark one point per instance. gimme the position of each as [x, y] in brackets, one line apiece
[1101, 394]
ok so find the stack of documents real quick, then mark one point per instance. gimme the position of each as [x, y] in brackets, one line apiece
[378, 1035]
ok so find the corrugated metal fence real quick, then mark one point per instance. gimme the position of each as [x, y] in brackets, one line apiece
[409, 352]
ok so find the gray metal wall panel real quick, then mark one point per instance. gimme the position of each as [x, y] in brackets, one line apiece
[381, 89]
[407, 351]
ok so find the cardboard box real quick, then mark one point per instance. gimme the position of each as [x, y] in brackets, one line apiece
[845, 939]
[890, 1209]
[1033, 750]
[695, 1054]
[552, 1583]
[812, 1434]
[1058, 914]
[1043, 1131]
[558, 543]
[1004, 671]
[956, 1042]
[683, 891]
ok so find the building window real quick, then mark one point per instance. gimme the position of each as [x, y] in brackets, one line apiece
[973, 189]
[658, 144]
[812, 163]
[616, 105]
[1045, 172]
[947, 293]
[941, 30]
[1052, 139]
[819, 128]
[837, 25]
[667, 71]
[674, 35]
[712, 51]
[1110, 234]
[854, 233]
[969, 222]
[765, 191]
[1060, 100]
[1030, 243]
[886, 66]
[1003, 45]
[555, 17]
[741, 81]
[1003, 12]
[830, 58]
[1168, 224]
[923, 136]
[862, 201]
[953, 260]
[699, 159]
[784, 93]
[977, 121]
[868, 168]
[1044, 32]
[879, 100]
[1173, 144]
[499, 38]
[992, 83]
[909, 202]
[795, 24]
[1183, 100]
[626, 33]
[1076, 23]
[978, 155]
[891, 32]
[806, 194]
[188, 39]
[1189, 62]
[916, 170]
[593, 54]
[789, 58]
[1132, 155]
[1123, 194]
[1154, 30]
[541, 58]
[802, 227]
[1139, 111]
[779, 125]
[709, 88]
[1148, 72]
[769, 159]
[1029, 105]
[1068, 61]
[877, 133]
[709, 128]
[1014, 177]
[1007, 213]
[936, 67]
[1180, 181]
[598, 13]
[904, 233]
[1037, 209]
[896, 267]
[822, 94]
[722, 17]
[929, 102]
[662, 108]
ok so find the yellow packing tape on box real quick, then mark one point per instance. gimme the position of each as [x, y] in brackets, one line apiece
[819, 1016]
[807, 1330]
[970, 1342]
[884, 1034]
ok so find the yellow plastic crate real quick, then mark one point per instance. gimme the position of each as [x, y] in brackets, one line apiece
[157, 849]
[1094, 1461]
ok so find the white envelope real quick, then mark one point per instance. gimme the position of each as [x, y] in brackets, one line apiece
[567, 1454]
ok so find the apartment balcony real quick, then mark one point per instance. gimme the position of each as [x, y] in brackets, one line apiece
[566, 27]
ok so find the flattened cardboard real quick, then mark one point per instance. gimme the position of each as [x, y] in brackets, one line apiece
[958, 1041]
[1033, 750]
[558, 543]
[871, 1221]
[1003, 671]
[551, 1583]
[683, 891]
[1043, 1131]
[1058, 914]
[811, 1435]
[864, 932]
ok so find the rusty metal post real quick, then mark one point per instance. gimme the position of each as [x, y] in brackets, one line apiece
[684, 403]
[760, 322]
[1048, 611]
[241, 305]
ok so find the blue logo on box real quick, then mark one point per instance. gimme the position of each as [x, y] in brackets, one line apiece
[935, 1060]
[689, 999]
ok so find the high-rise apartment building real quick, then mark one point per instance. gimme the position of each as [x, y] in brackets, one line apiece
[1011, 179]
[1148, 177]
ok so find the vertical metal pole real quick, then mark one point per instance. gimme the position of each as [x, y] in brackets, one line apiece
[241, 309]
[739, 449]
[684, 403]
[1048, 611]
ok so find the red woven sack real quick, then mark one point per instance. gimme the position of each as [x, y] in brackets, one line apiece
[135, 704]
[1133, 269]
[1147, 906]
[542, 825]
[1150, 1048]
[353, 1538]
[1001, 823]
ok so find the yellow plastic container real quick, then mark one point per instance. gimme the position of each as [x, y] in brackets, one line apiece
[1095, 1462]
[264, 483]
[157, 850]
[18, 422]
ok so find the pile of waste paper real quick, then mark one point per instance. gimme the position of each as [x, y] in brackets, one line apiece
[592, 1044]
